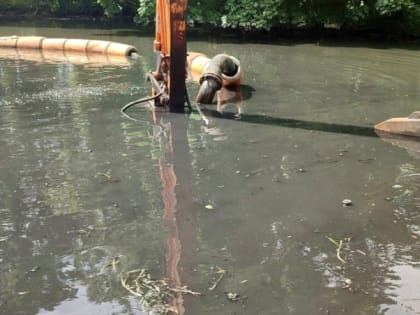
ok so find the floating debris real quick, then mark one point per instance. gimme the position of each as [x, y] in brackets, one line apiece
[35, 269]
[209, 207]
[153, 294]
[347, 202]
[339, 245]
[113, 264]
[221, 273]
[234, 297]
[347, 283]
[361, 252]
[108, 177]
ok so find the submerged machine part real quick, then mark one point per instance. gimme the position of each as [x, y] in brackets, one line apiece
[212, 74]
[408, 126]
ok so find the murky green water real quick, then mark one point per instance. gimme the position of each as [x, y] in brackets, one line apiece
[257, 196]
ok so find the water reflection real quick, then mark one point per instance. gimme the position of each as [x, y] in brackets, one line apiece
[410, 144]
[403, 288]
[179, 213]
[55, 236]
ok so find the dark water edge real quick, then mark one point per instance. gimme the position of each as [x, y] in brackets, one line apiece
[363, 36]
[44, 20]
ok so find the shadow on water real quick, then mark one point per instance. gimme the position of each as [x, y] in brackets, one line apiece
[245, 92]
[297, 123]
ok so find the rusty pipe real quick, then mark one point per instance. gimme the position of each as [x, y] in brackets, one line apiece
[220, 71]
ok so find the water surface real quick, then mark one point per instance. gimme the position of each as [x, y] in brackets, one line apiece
[259, 196]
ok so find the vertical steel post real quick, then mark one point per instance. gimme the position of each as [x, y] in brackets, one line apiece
[178, 55]
[171, 48]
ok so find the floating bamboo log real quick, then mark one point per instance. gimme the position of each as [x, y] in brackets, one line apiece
[85, 46]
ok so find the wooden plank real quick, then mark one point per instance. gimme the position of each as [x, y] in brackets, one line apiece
[401, 125]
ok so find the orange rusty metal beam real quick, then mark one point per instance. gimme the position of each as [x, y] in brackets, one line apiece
[170, 45]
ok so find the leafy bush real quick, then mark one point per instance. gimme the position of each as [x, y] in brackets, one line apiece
[401, 16]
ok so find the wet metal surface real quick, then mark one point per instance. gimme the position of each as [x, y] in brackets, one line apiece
[260, 196]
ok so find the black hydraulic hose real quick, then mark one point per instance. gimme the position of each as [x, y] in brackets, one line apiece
[160, 92]
[156, 87]
[139, 101]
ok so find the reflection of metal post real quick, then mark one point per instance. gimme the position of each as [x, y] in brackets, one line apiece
[179, 218]
[173, 256]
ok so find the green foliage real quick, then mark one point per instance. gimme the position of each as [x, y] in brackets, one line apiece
[199, 12]
[55, 7]
[111, 7]
[146, 12]
[412, 21]
[205, 12]
[356, 11]
[401, 16]
[79, 7]
[391, 7]
[251, 14]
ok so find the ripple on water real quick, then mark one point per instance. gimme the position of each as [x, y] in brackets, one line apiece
[389, 66]
[409, 197]
[403, 288]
